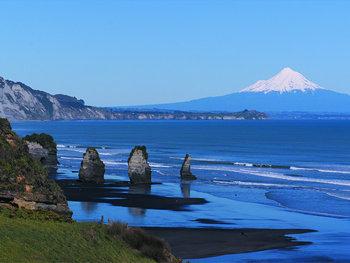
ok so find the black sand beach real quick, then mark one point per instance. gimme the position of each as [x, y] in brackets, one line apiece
[186, 243]
[209, 242]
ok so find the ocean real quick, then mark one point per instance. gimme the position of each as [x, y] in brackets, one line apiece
[262, 174]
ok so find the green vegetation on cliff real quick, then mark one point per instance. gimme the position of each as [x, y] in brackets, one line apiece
[45, 140]
[36, 224]
[20, 175]
[24, 238]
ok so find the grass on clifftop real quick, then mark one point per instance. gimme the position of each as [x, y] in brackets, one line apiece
[25, 239]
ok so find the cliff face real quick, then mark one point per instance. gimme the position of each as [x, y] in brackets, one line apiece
[24, 182]
[18, 101]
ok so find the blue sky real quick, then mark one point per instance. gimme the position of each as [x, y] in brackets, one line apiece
[140, 52]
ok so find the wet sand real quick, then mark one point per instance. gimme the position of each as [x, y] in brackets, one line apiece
[185, 243]
[126, 195]
[190, 243]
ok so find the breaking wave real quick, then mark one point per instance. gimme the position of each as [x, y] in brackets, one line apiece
[255, 184]
[266, 165]
[319, 170]
[277, 175]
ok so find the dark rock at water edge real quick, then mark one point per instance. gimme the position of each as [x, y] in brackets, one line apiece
[42, 147]
[92, 169]
[24, 182]
[139, 170]
[185, 171]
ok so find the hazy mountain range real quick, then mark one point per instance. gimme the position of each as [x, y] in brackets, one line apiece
[285, 92]
[288, 91]
[20, 102]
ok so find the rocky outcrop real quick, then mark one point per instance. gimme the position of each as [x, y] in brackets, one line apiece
[138, 168]
[185, 171]
[21, 102]
[43, 148]
[37, 151]
[92, 169]
[24, 182]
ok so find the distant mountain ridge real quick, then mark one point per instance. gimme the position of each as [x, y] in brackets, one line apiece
[285, 92]
[20, 102]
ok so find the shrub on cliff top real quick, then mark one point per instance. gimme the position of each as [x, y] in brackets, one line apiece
[4, 125]
[45, 140]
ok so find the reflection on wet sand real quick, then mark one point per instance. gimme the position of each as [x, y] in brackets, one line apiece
[88, 207]
[120, 193]
[138, 189]
[185, 188]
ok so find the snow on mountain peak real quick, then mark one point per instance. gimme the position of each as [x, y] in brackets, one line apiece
[286, 80]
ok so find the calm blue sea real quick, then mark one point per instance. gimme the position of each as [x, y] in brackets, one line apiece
[279, 174]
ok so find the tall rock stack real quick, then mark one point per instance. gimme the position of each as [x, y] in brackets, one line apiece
[185, 171]
[138, 168]
[92, 169]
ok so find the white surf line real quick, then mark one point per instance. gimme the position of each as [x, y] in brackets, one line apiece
[318, 170]
[298, 179]
[277, 176]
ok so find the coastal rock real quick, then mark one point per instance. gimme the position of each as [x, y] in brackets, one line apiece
[185, 171]
[138, 168]
[43, 148]
[24, 182]
[92, 169]
[37, 151]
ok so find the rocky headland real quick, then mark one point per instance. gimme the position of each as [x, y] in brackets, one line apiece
[24, 183]
[29, 200]
[43, 148]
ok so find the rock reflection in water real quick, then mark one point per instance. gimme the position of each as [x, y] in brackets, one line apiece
[185, 188]
[138, 189]
[88, 207]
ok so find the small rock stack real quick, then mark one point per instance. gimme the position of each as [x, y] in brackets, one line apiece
[185, 171]
[92, 169]
[138, 168]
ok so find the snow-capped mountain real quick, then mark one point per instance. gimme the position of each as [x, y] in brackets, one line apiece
[20, 102]
[288, 91]
[287, 80]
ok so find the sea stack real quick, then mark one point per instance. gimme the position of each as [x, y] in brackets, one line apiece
[92, 169]
[43, 148]
[138, 168]
[185, 171]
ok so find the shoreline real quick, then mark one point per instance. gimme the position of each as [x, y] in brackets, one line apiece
[195, 243]
[185, 242]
